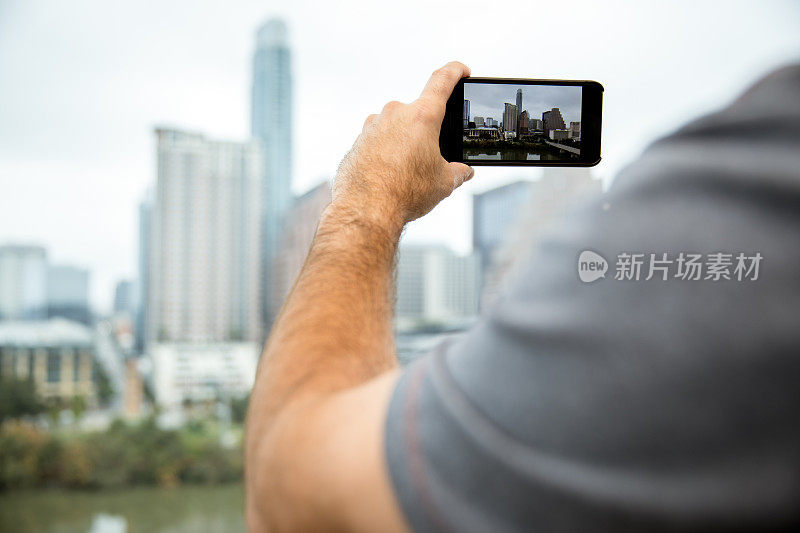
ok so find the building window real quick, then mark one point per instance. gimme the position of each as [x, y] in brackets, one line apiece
[76, 366]
[53, 366]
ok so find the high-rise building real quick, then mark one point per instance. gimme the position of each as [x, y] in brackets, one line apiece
[491, 122]
[299, 226]
[519, 107]
[145, 216]
[466, 114]
[126, 297]
[534, 124]
[552, 120]
[523, 122]
[493, 212]
[205, 240]
[68, 293]
[434, 285]
[530, 212]
[510, 117]
[272, 125]
[479, 122]
[23, 282]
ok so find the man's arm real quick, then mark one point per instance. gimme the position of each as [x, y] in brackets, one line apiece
[313, 449]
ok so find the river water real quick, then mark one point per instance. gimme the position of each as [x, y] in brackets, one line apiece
[487, 154]
[186, 509]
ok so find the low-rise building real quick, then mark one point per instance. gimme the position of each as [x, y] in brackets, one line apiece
[435, 285]
[197, 372]
[57, 354]
[559, 135]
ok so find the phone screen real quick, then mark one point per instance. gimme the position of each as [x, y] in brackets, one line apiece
[512, 122]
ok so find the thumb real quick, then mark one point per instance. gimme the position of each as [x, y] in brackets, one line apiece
[460, 173]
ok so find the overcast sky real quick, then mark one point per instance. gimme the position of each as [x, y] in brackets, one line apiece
[487, 100]
[83, 83]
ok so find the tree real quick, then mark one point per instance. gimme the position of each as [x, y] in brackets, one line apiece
[105, 390]
[18, 398]
[78, 406]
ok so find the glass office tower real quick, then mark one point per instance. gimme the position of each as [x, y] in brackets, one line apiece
[272, 125]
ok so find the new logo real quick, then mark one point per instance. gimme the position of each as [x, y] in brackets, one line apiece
[591, 266]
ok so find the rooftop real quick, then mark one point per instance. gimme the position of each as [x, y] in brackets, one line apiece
[45, 333]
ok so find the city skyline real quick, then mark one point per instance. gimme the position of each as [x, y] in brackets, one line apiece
[490, 99]
[76, 147]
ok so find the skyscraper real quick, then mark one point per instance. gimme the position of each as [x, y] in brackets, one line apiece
[510, 117]
[145, 218]
[552, 120]
[493, 212]
[23, 282]
[466, 114]
[510, 220]
[205, 240]
[298, 232]
[272, 125]
[523, 122]
[519, 107]
[68, 293]
[435, 285]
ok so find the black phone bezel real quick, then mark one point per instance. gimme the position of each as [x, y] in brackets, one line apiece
[451, 135]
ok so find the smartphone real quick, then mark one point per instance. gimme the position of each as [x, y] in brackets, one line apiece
[516, 122]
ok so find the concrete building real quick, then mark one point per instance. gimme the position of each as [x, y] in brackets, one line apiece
[23, 282]
[512, 234]
[534, 124]
[199, 372]
[552, 120]
[491, 122]
[510, 117]
[434, 285]
[204, 273]
[57, 354]
[575, 130]
[558, 135]
[68, 293]
[272, 125]
[300, 226]
[479, 122]
[466, 114]
[483, 133]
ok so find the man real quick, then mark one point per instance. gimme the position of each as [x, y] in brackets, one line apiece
[622, 404]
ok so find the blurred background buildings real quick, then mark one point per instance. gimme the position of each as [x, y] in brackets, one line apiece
[141, 267]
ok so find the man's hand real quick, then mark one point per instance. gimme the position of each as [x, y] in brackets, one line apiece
[395, 171]
[314, 444]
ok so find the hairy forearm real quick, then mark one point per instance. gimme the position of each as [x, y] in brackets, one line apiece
[315, 417]
[335, 330]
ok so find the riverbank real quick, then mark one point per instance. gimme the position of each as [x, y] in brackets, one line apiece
[124, 455]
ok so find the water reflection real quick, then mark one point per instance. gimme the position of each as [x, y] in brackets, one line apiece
[185, 509]
[483, 154]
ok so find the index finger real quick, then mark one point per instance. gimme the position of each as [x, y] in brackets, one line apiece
[440, 85]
